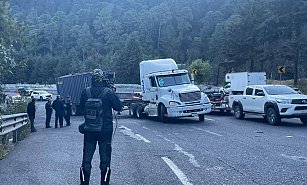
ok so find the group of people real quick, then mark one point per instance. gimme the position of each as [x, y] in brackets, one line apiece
[97, 103]
[63, 110]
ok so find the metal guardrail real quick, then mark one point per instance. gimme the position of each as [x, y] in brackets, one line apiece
[12, 123]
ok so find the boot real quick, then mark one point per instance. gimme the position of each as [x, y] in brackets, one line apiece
[105, 176]
[84, 177]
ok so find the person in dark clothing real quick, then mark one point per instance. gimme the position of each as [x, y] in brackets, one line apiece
[68, 105]
[58, 106]
[104, 137]
[31, 113]
[48, 107]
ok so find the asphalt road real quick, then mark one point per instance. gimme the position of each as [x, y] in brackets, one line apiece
[221, 150]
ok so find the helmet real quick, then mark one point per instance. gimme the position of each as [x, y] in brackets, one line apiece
[103, 77]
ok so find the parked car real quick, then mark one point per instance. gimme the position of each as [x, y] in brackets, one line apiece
[41, 95]
[24, 91]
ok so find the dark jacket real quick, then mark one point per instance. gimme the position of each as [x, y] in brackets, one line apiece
[109, 101]
[31, 109]
[48, 108]
[58, 106]
[68, 106]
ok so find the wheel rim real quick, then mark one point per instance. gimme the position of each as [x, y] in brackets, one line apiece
[237, 112]
[138, 114]
[271, 116]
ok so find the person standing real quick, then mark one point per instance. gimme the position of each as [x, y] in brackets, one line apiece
[31, 113]
[68, 106]
[48, 107]
[58, 106]
[98, 126]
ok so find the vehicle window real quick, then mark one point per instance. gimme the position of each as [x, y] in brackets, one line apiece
[174, 79]
[249, 91]
[279, 90]
[153, 82]
[258, 92]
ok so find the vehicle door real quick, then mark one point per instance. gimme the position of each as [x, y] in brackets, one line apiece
[153, 89]
[258, 100]
[247, 99]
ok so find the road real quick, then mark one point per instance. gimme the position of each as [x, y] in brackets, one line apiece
[221, 150]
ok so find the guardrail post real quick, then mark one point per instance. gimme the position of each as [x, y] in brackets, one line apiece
[15, 135]
[4, 139]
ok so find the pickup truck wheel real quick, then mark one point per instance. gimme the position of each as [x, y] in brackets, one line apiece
[272, 117]
[161, 113]
[304, 120]
[238, 112]
[201, 117]
[41, 98]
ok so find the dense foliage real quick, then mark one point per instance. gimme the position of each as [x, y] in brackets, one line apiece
[65, 37]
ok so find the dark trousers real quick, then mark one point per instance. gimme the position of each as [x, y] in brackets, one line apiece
[58, 118]
[67, 118]
[48, 119]
[90, 141]
[31, 118]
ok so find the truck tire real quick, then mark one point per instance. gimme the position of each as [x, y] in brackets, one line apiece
[140, 112]
[201, 117]
[238, 112]
[74, 110]
[41, 98]
[161, 113]
[304, 120]
[133, 110]
[272, 116]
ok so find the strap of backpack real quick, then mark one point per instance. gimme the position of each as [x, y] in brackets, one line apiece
[103, 93]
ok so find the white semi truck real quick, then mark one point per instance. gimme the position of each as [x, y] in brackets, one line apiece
[167, 92]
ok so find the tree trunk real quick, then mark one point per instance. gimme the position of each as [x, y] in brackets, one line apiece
[160, 25]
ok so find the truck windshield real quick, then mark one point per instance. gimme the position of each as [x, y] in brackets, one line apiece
[173, 79]
[279, 90]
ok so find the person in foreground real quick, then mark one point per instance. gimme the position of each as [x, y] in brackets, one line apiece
[97, 103]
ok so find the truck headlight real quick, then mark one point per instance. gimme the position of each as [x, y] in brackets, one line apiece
[284, 101]
[173, 103]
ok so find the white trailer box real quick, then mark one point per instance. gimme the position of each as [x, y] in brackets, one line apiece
[238, 81]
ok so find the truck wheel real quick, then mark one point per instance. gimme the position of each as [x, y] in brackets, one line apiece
[201, 117]
[161, 113]
[74, 110]
[304, 120]
[41, 98]
[272, 117]
[238, 112]
[139, 112]
[133, 110]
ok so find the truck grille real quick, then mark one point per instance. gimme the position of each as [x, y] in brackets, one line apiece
[189, 97]
[301, 108]
[299, 101]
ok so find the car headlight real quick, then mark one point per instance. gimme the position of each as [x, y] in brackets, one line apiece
[173, 103]
[284, 101]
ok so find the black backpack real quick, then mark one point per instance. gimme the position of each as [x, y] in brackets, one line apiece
[94, 111]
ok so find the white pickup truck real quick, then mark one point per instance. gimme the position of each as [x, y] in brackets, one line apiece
[271, 101]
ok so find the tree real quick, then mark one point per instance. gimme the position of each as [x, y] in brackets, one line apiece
[203, 71]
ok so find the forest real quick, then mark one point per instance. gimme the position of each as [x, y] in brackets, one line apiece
[41, 40]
